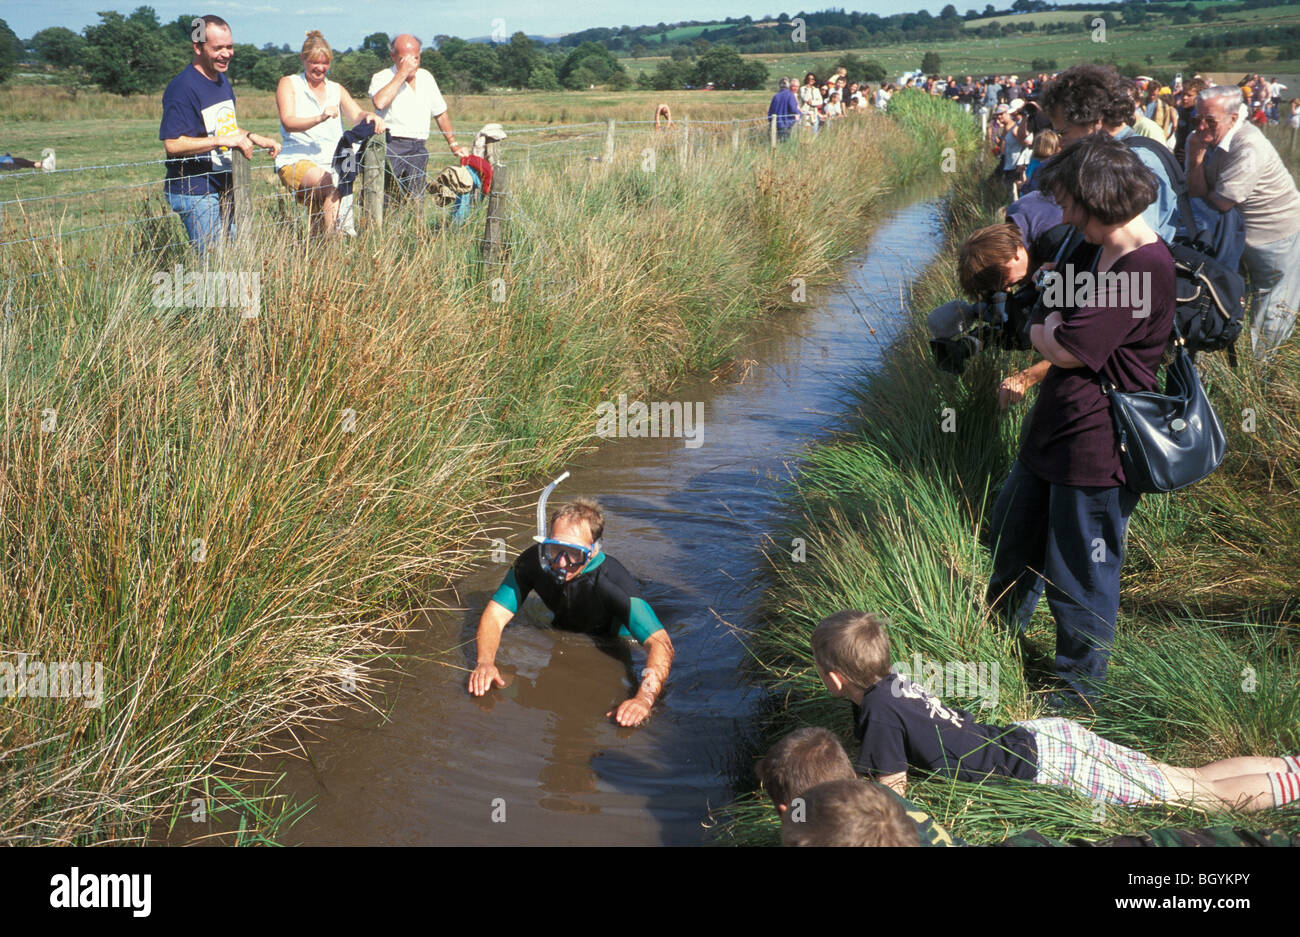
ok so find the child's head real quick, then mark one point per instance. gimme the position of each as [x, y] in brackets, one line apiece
[803, 759]
[1046, 144]
[851, 647]
[848, 813]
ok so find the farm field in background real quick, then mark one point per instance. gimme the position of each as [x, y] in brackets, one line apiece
[1125, 44]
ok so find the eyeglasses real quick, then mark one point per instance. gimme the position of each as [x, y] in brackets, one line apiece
[1198, 119]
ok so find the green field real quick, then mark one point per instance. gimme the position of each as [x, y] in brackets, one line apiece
[1039, 19]
[1124, 44]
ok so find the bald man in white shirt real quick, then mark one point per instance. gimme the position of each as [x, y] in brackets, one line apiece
[406, 96]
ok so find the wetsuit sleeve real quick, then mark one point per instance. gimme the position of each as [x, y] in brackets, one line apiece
[509, 593]
[515, 587]
[642, 620]
[622, 599]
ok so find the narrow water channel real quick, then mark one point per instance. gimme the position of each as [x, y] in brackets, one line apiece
[538, 762]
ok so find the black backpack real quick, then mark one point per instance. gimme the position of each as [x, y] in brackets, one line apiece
[1211, 300]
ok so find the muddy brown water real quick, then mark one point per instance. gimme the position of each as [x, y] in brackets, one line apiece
[538, 762]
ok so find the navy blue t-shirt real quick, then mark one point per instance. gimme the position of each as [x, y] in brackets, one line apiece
[902, 725]
[196, 106]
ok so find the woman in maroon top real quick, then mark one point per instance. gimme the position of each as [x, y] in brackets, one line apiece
[1060, 519]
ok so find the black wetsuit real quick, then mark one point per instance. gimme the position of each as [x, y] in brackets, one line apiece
[603, 600]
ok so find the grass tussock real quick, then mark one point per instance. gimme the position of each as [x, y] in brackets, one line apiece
[1206, 661]
[237, 517]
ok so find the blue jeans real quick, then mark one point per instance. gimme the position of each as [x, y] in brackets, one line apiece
[1070, 539]
[1275, 277]
[204, 217]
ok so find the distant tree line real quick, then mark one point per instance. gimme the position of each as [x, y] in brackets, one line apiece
[837, 29]
[128, 54]
[138, 53]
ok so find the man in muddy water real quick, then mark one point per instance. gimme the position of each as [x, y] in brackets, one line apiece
[589, 591]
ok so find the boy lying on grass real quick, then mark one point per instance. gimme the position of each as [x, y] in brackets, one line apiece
[809, 769]
[902, 725]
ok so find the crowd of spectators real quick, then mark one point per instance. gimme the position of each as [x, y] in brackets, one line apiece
[320, 125]
[1087, 158]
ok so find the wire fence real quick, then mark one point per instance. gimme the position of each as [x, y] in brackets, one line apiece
[104, 220]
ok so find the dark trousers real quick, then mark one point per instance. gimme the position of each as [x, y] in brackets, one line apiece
[1071, 540]
[408, 160]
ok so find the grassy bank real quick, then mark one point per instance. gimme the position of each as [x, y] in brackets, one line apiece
[1206, 662]
[236, 517]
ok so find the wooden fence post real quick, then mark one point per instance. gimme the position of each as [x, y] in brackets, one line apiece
[771, 126]
[735, 135]
[372, 181]
[241, 194]
[686, 137]
[609, 142]
[493, 246]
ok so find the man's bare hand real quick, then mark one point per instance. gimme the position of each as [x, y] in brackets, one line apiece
[408, 66]
[631, 712]
[481, 680]
[237, 141]
[329, 113]
[265, 143]
[1012, 390]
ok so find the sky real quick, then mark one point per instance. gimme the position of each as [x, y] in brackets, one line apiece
[345, 24]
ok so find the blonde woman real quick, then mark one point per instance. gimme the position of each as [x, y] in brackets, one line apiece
[310, 106]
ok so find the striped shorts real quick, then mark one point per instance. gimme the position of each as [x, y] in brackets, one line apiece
[1071, 756]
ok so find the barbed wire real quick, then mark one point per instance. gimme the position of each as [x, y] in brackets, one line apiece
[524, 243]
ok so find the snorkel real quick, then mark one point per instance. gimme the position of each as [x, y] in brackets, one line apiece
[551, 549]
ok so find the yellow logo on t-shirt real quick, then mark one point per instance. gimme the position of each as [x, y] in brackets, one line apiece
[939, 834]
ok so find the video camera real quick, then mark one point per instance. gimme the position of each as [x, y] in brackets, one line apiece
[960, 330]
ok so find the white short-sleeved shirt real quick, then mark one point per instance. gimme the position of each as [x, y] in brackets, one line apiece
[412, 110]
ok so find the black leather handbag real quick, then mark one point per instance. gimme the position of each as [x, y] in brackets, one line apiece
[1171, 440]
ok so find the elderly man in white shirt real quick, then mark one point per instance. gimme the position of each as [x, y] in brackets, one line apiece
[406, 96]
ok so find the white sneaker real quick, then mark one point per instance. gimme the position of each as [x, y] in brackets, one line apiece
[47, 160]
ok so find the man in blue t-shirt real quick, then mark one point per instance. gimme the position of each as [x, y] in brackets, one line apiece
[589, 591]
[198, 131]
